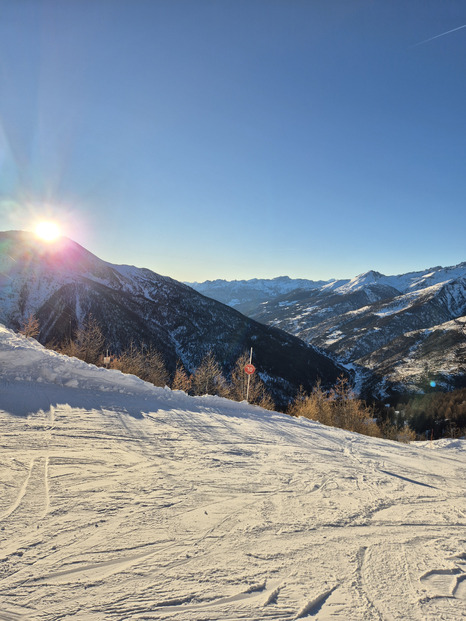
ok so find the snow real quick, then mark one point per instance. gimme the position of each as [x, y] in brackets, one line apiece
[270, 286]
[123, 501]
[455, 324]
[334, 336]
[411, 368]
[404, 283]
[291, 303]
[31, 271]
[398, 304]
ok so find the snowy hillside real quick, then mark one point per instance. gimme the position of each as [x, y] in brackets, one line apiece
[385, 333]
[378, 323]
[421, 356]
[245, 295]
[122, 501]
[402, 283]
[63, 284]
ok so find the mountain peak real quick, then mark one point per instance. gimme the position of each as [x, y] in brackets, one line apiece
[21, 251]
[369, 276]
[360, 282]
[62, 284]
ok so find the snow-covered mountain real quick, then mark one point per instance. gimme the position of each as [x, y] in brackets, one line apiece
[123, 501]
[379, 323]
[429, 358]
[62, 283]
[245, 295]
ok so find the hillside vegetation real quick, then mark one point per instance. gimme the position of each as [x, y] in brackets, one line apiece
[431, 415]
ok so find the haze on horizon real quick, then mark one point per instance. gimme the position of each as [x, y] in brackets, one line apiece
[238, 139]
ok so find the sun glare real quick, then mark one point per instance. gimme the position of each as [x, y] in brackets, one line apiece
[48, 231]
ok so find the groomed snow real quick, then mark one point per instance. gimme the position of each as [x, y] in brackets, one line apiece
[123, 501]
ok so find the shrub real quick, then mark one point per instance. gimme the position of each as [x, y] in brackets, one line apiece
[88, 344]
[148, 365]
[338, 408]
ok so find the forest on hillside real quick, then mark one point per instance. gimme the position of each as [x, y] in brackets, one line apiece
[432, 415]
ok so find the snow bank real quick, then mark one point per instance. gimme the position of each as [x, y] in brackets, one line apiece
[119, 500]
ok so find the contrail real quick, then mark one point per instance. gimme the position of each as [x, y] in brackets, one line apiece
[440, 35]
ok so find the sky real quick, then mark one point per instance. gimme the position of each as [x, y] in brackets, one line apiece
[238, 139]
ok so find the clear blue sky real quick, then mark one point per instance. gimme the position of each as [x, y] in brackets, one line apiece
[239, 138]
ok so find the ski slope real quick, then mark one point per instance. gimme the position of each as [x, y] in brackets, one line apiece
[122, 501]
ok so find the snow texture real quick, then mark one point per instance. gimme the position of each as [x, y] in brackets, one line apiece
[124, 501]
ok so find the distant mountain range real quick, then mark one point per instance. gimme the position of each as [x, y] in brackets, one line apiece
[397, 332]
[62, 283]
[246, 295]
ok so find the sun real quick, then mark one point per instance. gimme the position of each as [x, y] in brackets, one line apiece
[48, 231]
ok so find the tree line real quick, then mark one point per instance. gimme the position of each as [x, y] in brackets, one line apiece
[431, 415]
[436, 414]
[88, 344]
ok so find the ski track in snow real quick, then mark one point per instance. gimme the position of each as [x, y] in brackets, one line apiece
[185, 515]
[171, 508]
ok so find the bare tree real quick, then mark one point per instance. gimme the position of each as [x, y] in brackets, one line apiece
[156, 372]
[258, 394]
[88, 344]
[30, 326]
[337, 408]
[148, 365]
[181, 380]
[208, 378]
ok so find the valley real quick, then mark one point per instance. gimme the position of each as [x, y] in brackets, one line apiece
[394, 332]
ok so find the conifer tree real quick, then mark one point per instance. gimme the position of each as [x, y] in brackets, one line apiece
[338, 408]
[130, 361]
[258, 394]
[315, 406]
[148, 365]
[181, 380]
[88, 344]
[90, 341]
[30, 327]
[208, 378]
[156, 371]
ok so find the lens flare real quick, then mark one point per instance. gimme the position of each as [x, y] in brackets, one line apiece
[48, 231]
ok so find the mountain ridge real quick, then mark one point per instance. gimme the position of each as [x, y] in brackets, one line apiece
[63, 283]
[354, 319]
[401, 282]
